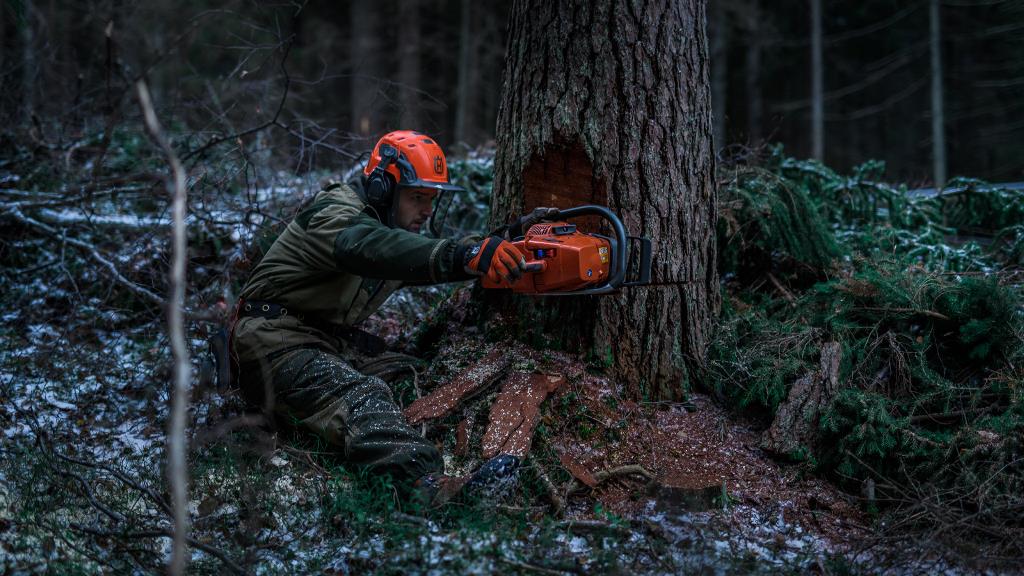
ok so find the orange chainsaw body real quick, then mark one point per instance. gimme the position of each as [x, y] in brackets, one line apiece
[559, 258]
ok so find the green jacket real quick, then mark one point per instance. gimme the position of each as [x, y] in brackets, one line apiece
[337, 263]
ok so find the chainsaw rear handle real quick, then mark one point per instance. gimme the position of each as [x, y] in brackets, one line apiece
[620, 251]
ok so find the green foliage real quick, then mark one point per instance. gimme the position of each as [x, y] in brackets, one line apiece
[864, 431]
[923, 295]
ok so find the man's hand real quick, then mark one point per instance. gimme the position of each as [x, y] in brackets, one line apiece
[497, 259]
[519, 226]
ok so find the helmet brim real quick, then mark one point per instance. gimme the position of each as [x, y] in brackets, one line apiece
[439, 186]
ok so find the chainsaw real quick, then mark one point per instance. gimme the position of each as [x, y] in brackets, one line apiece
[563, 261]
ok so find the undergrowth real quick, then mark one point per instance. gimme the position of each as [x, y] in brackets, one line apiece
[923, 294]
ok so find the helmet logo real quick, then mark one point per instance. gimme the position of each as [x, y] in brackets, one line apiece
[438, 165]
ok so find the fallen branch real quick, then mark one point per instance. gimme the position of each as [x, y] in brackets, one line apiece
[627, 470]
[919, 312]
[593, 526]
[162, 533]
[90, 250]
[536, 568]
[552, 491]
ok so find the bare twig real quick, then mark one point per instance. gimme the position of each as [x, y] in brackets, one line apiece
[272, 122]
[177, 474]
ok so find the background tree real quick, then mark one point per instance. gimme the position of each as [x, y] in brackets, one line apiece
[937, 107]
[608, 103]
[817, 84]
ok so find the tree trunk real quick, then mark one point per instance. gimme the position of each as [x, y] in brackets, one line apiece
[817, 84]
[753, 75]
[608, 103]
[938, 135]
[718, 29]
[464, 95]
[3, 39]
[409, 64]
[28, 61]
[366, 66]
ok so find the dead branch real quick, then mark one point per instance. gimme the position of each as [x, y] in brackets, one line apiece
[929, 313]
[538, 569]
[162, 533]
[552, 491]
[627, 470]
[593, 526]
[177, 473]
[90, 250]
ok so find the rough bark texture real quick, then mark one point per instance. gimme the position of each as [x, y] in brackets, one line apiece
[796, 423]
[608, 103]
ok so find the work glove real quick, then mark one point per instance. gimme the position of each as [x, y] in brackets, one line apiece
[519, 226]
[495, 258]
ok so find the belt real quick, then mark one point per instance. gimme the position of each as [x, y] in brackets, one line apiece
[360, 339]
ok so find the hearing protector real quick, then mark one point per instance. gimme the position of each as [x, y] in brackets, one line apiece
[380, 186]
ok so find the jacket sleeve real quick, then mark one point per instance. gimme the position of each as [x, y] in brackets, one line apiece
[367, 248]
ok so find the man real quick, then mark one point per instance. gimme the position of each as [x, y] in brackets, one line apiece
[333, 266]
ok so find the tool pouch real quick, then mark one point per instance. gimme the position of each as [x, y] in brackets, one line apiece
[220, 351]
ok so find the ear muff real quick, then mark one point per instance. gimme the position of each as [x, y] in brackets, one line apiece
[380, 186]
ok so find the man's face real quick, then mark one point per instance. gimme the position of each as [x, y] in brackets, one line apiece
[415, 205]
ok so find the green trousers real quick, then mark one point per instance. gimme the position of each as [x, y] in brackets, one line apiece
[320, 392]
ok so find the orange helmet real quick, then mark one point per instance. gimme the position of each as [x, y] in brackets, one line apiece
[407, 159]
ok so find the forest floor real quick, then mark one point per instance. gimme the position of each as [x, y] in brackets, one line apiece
[83, 430]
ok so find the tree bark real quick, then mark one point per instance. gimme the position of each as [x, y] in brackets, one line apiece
[817, 84]
[608, 103]
[938, 120]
